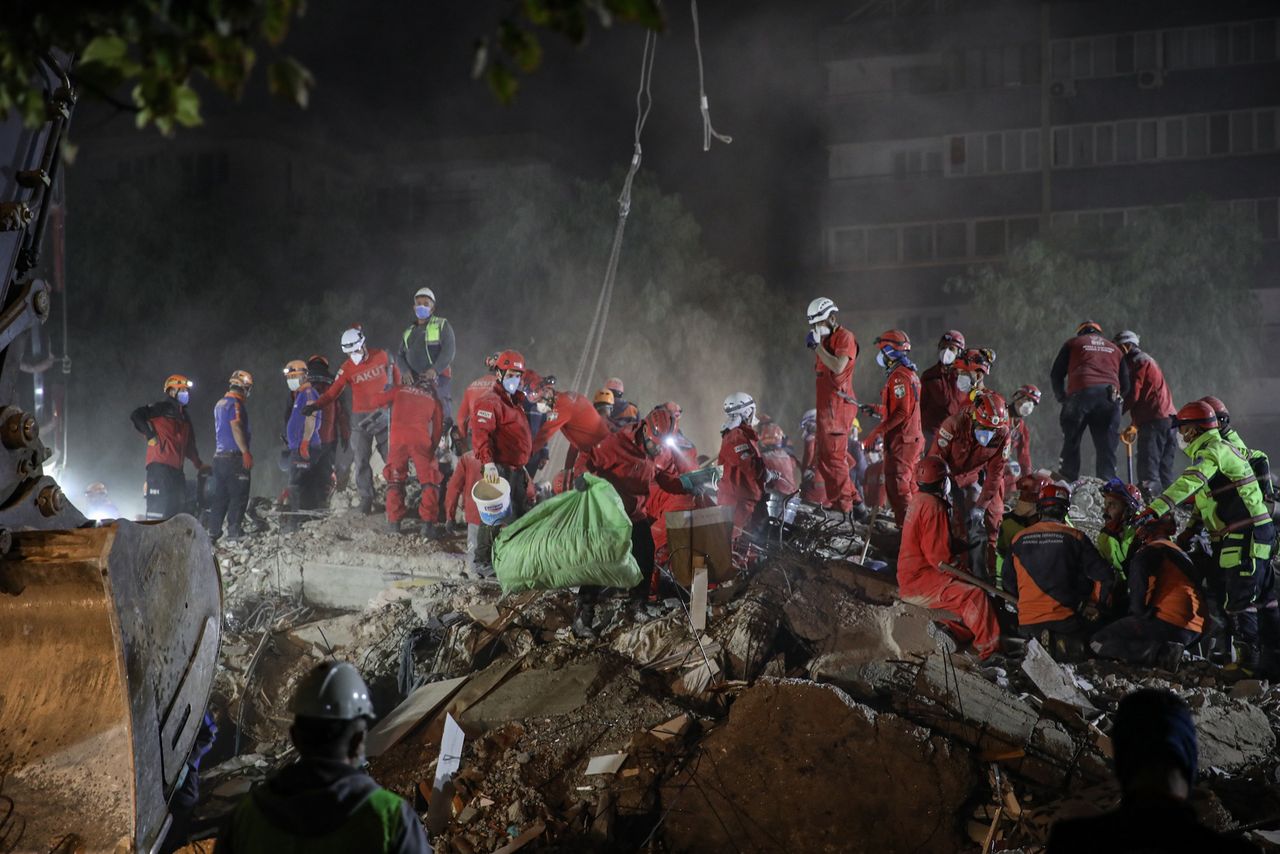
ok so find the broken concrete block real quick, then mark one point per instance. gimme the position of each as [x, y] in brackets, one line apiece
[802, 767]
[989, 709]
[1051, 679]
[673, 728]
[534, 694]
[609, 763]
[1233, 734]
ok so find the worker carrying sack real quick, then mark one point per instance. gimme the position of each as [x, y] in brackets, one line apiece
[578, 537]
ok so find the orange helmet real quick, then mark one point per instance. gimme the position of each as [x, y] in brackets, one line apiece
[177, 382]
[1198, 413]
[511, 360]
[614, 384]
[771, 434]
[1088, 326]
[659, 425]
[1054, 495]
[295, 366]
[244, 379]
[1030, 486]
[989, 410]
[895, 338]
[603, 396]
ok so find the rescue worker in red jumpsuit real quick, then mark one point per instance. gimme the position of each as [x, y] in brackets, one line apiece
[745, 475]
[478, 388]
[835, 350]
[1165, 612]
[170, 440]
[417, 425]
[466, 474]
[501, 441]
[1089, 377]
[1149, 403]
[812, 489]
[369, 372]
[975, 445]
[786, 471]
[1059, 578]
[926, 545]
[1021, 405]
[575, 416]
[899, 413]
[940, 398]
[626, 459]
[679, 456]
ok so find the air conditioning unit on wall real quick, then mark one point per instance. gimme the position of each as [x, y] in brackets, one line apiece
[1150, 79]
[1063, 88]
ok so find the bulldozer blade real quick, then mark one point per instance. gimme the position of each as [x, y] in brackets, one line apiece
[109, 637]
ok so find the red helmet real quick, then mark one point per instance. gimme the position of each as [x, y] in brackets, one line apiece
[659, 424]
[895, 338]
[1126, 492]
[1054, 495]
[978, 361]
[932, 470]
[1199, 413]
[510, 360]
[1030, 485]
[674, 408]
[1088, 326]
[1030, 392]
[952, 338]
[989, 410]
[1219, 407]
[1159, 528]
[771, 434]
[531, 380]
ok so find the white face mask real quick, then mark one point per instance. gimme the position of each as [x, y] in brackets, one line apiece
[822, 330]
[511, 384]
[946, 356]
[880, 359]
[1025, 408]
[543, 407]
[294, 383]
[965, 383]
[1183, 444]
[357, 357]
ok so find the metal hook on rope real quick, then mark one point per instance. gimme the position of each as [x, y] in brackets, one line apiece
[708, 132]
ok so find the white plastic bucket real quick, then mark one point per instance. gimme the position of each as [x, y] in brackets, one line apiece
[493, 500]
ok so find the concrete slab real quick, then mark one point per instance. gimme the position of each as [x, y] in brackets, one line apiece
[416, 707]
[534, 694]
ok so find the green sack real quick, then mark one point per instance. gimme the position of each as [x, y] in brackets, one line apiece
[574, 538]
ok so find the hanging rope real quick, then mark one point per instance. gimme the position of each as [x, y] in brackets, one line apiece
[708, 132]
[590, 356]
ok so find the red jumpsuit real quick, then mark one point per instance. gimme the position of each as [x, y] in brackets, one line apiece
[661, 502]
[926, 543]
[899, 411]
[742, 484]
[780, 461]
[417, 421]
[500, 428]
[368, 380]
[812, 490]
[582, 425]
[956, 444]
[621, 460]
[477, 389]
[1019, 452]
[466, 474]
[837, 407]
[940, 397]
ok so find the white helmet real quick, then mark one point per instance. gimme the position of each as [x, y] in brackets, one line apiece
[1127, 337]
[333, 691]
[425, 292]
[821, 309]
[352, 340]
[739, 407]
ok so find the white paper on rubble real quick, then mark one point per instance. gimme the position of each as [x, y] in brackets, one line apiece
[450, 752]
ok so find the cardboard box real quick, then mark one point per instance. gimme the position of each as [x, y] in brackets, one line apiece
[701, 538]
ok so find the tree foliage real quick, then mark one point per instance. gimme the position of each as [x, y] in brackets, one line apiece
[1181, 277]
[149, 56]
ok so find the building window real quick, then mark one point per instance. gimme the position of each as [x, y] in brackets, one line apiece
[1242, 43]
[1242, 133]
[1124, 53]
[1031, 149]
[1197, 136]
[882, 246]
[1022, 230]
[1082, 145]
[1147, 135]
[1013, 151]
[988, 238]
[1266, 124]
[1106, 138]
[1269, 219]
[995, 152]
[1061, 147]
[848, 247]
[952, 240]
[917, 243]
[1144, 48]
[1126, 142]
[1219, 134]
[1173, 146]
[1264, 41]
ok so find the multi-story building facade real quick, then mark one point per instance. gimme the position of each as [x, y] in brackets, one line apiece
[957, 130]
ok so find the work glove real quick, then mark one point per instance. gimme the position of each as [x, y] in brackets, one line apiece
[807, 476]
[769, 477]
[247, 458]
[811, 340]
[310, 409]
[491, 474]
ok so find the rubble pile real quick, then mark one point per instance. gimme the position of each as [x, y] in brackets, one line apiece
[806, 708]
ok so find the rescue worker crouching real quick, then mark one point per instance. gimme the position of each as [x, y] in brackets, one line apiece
[232, 459]
[502, 444]
[926, 545]
[1059, 578]
[1230, 504]
[324, 801]
[779, 461]
[899, 414]
[835, 351]
[302, 434]
[1020, 516]
[427, 349]
[170, 441]
[417, 426]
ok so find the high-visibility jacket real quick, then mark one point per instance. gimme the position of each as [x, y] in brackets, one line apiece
[1057, 570]
[1161, 578]
[1258, 461]
[424, 344]
[1223, 484]
[1114, 546]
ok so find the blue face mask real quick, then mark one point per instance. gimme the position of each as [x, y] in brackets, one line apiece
[511, 384]
[422, 311]
[984, 437]
[183, 397]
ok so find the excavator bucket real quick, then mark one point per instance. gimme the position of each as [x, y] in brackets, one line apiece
[108, 648]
